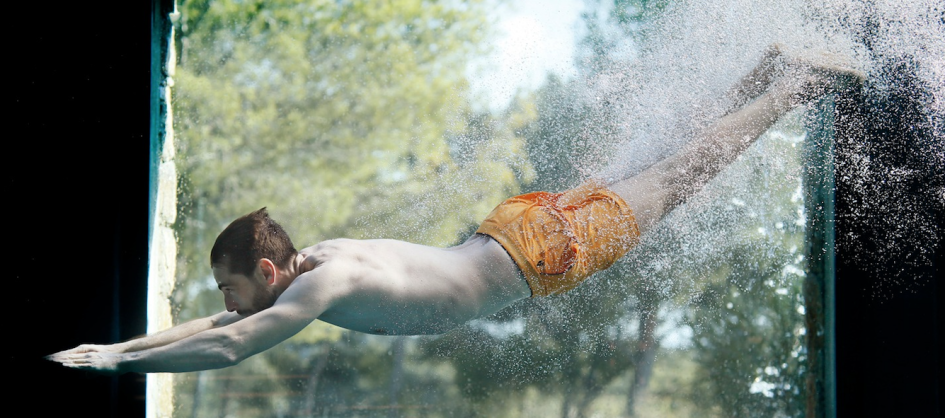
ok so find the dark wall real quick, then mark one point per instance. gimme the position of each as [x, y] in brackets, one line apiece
[889, 249]
[76, 189]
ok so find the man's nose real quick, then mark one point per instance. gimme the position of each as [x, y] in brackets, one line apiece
[230, 303]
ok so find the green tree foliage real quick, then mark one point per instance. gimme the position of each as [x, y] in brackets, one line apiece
[732, 265]
[333, 114]
[343, 117]
[748, 319]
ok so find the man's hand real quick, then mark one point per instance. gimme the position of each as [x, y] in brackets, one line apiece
[89, 348]
[103, 359]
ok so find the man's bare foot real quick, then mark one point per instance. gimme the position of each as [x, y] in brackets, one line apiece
[810, 76]
[753, 84]
[773, 55]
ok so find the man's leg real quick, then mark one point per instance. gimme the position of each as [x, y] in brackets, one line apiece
[663, 186]
[758, 79]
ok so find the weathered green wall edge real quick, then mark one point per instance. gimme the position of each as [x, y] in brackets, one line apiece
[819, 296]
[160, 33]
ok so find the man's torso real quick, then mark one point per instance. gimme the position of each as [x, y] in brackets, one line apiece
[398, 288]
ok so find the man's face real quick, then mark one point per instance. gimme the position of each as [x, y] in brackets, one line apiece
[241, 294]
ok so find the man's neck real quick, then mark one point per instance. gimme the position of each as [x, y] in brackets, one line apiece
[290, 273]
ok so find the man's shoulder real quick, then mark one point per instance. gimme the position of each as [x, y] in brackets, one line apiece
[337, 251]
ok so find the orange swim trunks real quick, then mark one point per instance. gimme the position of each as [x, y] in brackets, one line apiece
[559, 239]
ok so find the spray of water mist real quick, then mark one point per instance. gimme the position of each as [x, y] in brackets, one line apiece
[694, 51]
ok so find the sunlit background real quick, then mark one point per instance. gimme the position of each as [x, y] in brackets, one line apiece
[412, 119]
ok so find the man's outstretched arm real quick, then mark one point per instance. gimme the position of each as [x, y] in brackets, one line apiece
[158, 339]
[209, 348]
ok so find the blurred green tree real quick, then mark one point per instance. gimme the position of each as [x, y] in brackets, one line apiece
[748, 317]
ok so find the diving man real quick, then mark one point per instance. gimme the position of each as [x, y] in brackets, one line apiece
[531, 245]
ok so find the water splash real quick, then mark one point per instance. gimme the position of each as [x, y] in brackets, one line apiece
[694, 51]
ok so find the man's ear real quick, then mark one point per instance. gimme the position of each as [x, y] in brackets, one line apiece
[268, 270]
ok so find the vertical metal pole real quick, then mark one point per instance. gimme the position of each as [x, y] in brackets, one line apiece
[819, 296]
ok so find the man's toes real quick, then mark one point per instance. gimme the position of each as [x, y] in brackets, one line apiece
[773, 51]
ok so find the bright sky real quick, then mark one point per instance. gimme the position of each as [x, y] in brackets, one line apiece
[534, 37]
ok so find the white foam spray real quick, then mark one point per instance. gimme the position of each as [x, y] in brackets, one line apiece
[693, 51]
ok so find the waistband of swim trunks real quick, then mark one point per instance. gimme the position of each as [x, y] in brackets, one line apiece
[518, 256]
[531, 275]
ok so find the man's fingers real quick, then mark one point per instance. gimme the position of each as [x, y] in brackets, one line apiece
[80, 366]
[83, 361]
[85, 348]
[66, 357]
[58, 356]
[90, 358]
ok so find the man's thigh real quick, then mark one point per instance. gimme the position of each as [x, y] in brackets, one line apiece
[649, 194]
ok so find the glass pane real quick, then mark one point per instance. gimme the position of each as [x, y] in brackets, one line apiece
[366, 119]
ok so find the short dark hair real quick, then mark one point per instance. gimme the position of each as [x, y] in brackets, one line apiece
[250, 238]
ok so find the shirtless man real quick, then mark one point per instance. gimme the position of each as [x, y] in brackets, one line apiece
[530, 245]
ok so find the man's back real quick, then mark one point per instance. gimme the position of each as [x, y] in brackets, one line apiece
[399, 288]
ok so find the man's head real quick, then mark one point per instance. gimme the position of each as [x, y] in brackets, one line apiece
[252, 249]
